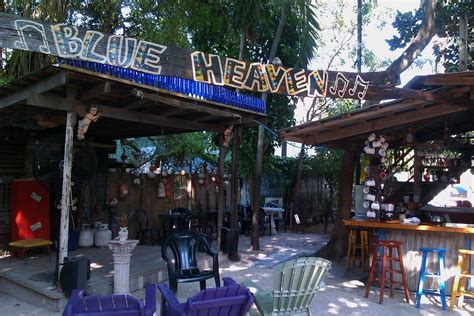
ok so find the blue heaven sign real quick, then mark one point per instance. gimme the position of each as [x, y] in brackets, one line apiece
[69, 41]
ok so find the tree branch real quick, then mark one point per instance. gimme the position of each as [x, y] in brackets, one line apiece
[424, 36]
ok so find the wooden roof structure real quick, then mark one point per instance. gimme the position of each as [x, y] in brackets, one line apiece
[131, 106]
[429, 105]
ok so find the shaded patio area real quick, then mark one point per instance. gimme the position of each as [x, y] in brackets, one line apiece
[343, 294]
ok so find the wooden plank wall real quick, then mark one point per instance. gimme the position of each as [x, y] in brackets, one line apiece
[412, 241]
[145, 197]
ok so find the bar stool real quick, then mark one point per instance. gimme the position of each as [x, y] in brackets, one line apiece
[357, 242]
[462, 274]
[439, 274]
[387, 255]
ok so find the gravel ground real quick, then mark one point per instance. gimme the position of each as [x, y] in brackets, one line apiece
[343, 294]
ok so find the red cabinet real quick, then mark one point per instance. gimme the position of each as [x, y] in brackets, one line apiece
[30, 210]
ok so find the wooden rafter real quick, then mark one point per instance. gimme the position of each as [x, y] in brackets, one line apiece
[423, 112]
[58, 103]
[99, 90]
[19, 116]
[47, 84]
[348, 118]
[180, 104]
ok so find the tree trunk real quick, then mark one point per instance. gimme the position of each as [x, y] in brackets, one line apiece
[423, 37]
[426, 32]
[2, 9]
[299, 171]
[336, 247]
[463, 42]
[261, 135]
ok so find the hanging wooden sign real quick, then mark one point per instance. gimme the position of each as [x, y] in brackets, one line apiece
[69, 41]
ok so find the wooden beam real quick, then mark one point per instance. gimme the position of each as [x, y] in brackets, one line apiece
[133, 105]
[44, 85]
[58, 103]
[376, 125]
[194, 106]
[173, 112]
[460, 80]
[439, 97]
[99, 90]
[362, 115]
[19, 116]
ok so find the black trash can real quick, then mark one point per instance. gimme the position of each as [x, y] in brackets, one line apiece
[223, 245]
[229, 240]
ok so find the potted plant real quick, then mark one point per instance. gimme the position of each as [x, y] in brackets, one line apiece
[122, 221]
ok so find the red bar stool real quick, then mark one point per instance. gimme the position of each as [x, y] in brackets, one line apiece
[387, 256]
[358, 240]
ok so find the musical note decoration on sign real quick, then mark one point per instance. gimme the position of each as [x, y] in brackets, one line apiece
[359, 82]
[69, 41]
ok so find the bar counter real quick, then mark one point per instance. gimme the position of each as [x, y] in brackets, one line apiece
[414, 237]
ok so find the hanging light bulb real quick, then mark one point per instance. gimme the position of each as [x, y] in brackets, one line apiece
[182, 172]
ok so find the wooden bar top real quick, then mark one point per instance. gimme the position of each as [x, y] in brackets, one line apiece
[419, 228]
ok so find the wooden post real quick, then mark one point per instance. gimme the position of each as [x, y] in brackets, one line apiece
[417, 175]
[234, 218]
[235, 180]
[220, 196]
[66, 189]
[256, 188]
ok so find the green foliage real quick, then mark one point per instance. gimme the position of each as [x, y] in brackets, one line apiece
[103, 16]
[172, 149]
[447, 29]
[327, 165]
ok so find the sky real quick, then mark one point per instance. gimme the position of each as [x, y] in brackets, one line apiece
[375, 40]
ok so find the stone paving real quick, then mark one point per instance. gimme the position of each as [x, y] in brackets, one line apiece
[343, 294]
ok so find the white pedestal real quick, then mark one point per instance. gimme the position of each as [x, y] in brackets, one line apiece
[121, 252]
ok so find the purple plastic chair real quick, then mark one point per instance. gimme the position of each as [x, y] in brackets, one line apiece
[115, 304]
[232, 299]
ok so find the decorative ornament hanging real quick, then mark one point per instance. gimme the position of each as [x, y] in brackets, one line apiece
[374, 190]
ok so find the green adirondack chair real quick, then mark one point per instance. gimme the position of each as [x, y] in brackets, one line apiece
[295, 283]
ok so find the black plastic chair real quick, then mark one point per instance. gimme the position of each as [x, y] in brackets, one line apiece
[180, 253]
[144, 229]
[183, 221]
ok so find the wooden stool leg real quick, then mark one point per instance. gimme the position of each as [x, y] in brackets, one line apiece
[390, 254]
[462, 289]
[349, 251]
[363, 252]
[372, 271]
[454, 291]
[353, 249]
[382, 276]
[404, 278]
[442, 289]
[366, 245]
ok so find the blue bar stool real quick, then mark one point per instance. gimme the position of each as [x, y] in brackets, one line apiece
[439, 274]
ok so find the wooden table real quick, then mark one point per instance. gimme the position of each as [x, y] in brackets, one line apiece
[417, 236]
[20, 247]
